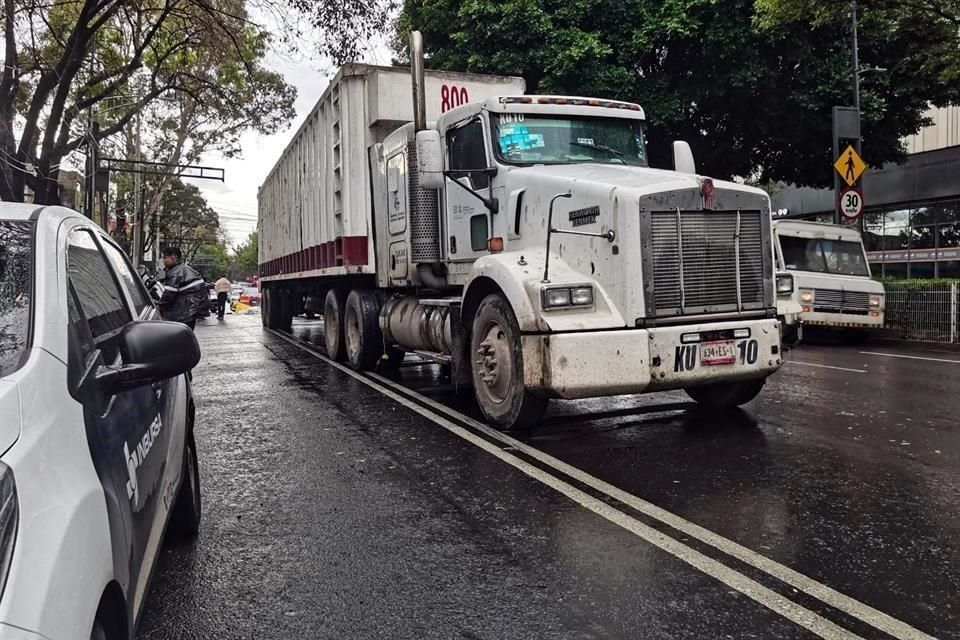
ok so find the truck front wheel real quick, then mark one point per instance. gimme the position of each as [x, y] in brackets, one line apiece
[725, 395]
[333, 325]
[361, 330]
[496, 360]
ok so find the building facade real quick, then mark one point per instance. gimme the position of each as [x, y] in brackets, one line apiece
[911, 225]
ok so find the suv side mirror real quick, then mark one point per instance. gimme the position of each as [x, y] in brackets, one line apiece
[683, 158]
[429, 159]
[151, 351]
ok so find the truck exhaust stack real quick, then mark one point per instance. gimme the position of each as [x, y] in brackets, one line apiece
[416, 70]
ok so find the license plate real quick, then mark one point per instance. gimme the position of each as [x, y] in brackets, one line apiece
[723, 352]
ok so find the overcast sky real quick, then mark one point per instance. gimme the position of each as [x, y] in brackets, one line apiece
[236, 198]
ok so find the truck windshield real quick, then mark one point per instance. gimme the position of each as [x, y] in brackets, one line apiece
[824, 256]
[535, 139]
[16, 267]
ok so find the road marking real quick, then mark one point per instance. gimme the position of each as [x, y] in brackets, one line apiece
[897, 355]
[825, 366]
[801, 616]
[790, 610]
[874, 617]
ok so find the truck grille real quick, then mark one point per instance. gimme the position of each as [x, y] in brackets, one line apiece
[696, 267]
[836, 300]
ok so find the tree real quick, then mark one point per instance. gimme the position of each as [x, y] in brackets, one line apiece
[185, 220]
[753, 100]
[212, 261]
[246, 258]
[63, 60]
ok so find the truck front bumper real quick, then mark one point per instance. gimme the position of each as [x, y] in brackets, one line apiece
[583, 365]
[843, 320]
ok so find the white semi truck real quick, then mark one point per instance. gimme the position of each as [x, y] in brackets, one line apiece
[520, 240]
[832, 283]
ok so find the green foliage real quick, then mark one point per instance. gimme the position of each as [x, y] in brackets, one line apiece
[212, 261]
[246, 257]
[752, 96]
[186, 220]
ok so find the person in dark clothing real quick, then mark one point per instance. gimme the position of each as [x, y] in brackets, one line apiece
[184, 291]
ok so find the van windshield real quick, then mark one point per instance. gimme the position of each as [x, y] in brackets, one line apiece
[16, 292]
[535, 139]
[820, 255]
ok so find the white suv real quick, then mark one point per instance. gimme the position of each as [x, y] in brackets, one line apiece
[96, 430]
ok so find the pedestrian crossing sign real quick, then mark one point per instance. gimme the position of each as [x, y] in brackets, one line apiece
[850, 166]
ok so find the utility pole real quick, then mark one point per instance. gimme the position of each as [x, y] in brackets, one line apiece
[90, 198]
[138, 220]
[856, 62]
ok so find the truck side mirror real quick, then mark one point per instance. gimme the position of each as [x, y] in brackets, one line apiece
[683, 158]
[429, 159]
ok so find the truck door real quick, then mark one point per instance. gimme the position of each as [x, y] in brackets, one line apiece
[468, 220]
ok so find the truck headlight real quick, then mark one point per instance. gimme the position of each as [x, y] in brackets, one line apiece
[784, 284]
[9, 517]
[559, 297]
[581, 296]
[806, 296]
[875, 301]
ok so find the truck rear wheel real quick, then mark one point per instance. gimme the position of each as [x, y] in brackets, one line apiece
[496, 360]
[271, 314]
[726, 395]
[361, 330]
[333, 325]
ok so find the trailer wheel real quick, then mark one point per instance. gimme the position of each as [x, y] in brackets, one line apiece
[333, 325]
[271, 315]
[726, 395]
[496, 360]
[361, 330]
[286, 310]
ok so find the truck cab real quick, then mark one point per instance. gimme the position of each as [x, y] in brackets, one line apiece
[832, 281]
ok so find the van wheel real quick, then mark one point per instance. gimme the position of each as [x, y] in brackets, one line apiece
[496, 359]
[333, 325]
[726, 395]
[185, 519]
[361, 330]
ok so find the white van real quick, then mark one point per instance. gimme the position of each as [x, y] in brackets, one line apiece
[832, 282]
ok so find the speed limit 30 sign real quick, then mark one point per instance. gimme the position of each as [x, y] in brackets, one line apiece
[851, 203]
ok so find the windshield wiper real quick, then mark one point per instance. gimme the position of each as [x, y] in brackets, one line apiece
[600, 147]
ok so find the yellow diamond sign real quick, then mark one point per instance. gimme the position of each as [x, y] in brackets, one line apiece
[850, 166]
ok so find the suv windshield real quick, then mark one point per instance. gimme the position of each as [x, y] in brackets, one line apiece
[824, 256]
[16, 289]
[534, 139]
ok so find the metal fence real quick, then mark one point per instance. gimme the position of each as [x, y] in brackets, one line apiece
[926, 312]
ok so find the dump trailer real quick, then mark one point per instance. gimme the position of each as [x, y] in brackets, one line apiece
[521, 241]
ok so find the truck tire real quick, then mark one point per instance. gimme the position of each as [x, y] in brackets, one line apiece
[333, 325]
[496, 359]
[726, 395]
[362, 338]
[271, 313]
[286, 310]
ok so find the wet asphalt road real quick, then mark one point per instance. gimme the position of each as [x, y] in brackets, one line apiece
[334, 511]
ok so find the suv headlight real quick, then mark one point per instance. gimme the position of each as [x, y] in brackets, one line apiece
[560, 297]
[875, 301]
[784, 284]
[9, 517]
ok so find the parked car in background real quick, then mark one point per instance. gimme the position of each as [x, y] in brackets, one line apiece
[97, 455]
[249, 297]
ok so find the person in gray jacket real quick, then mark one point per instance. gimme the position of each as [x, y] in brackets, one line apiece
[184, 291]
